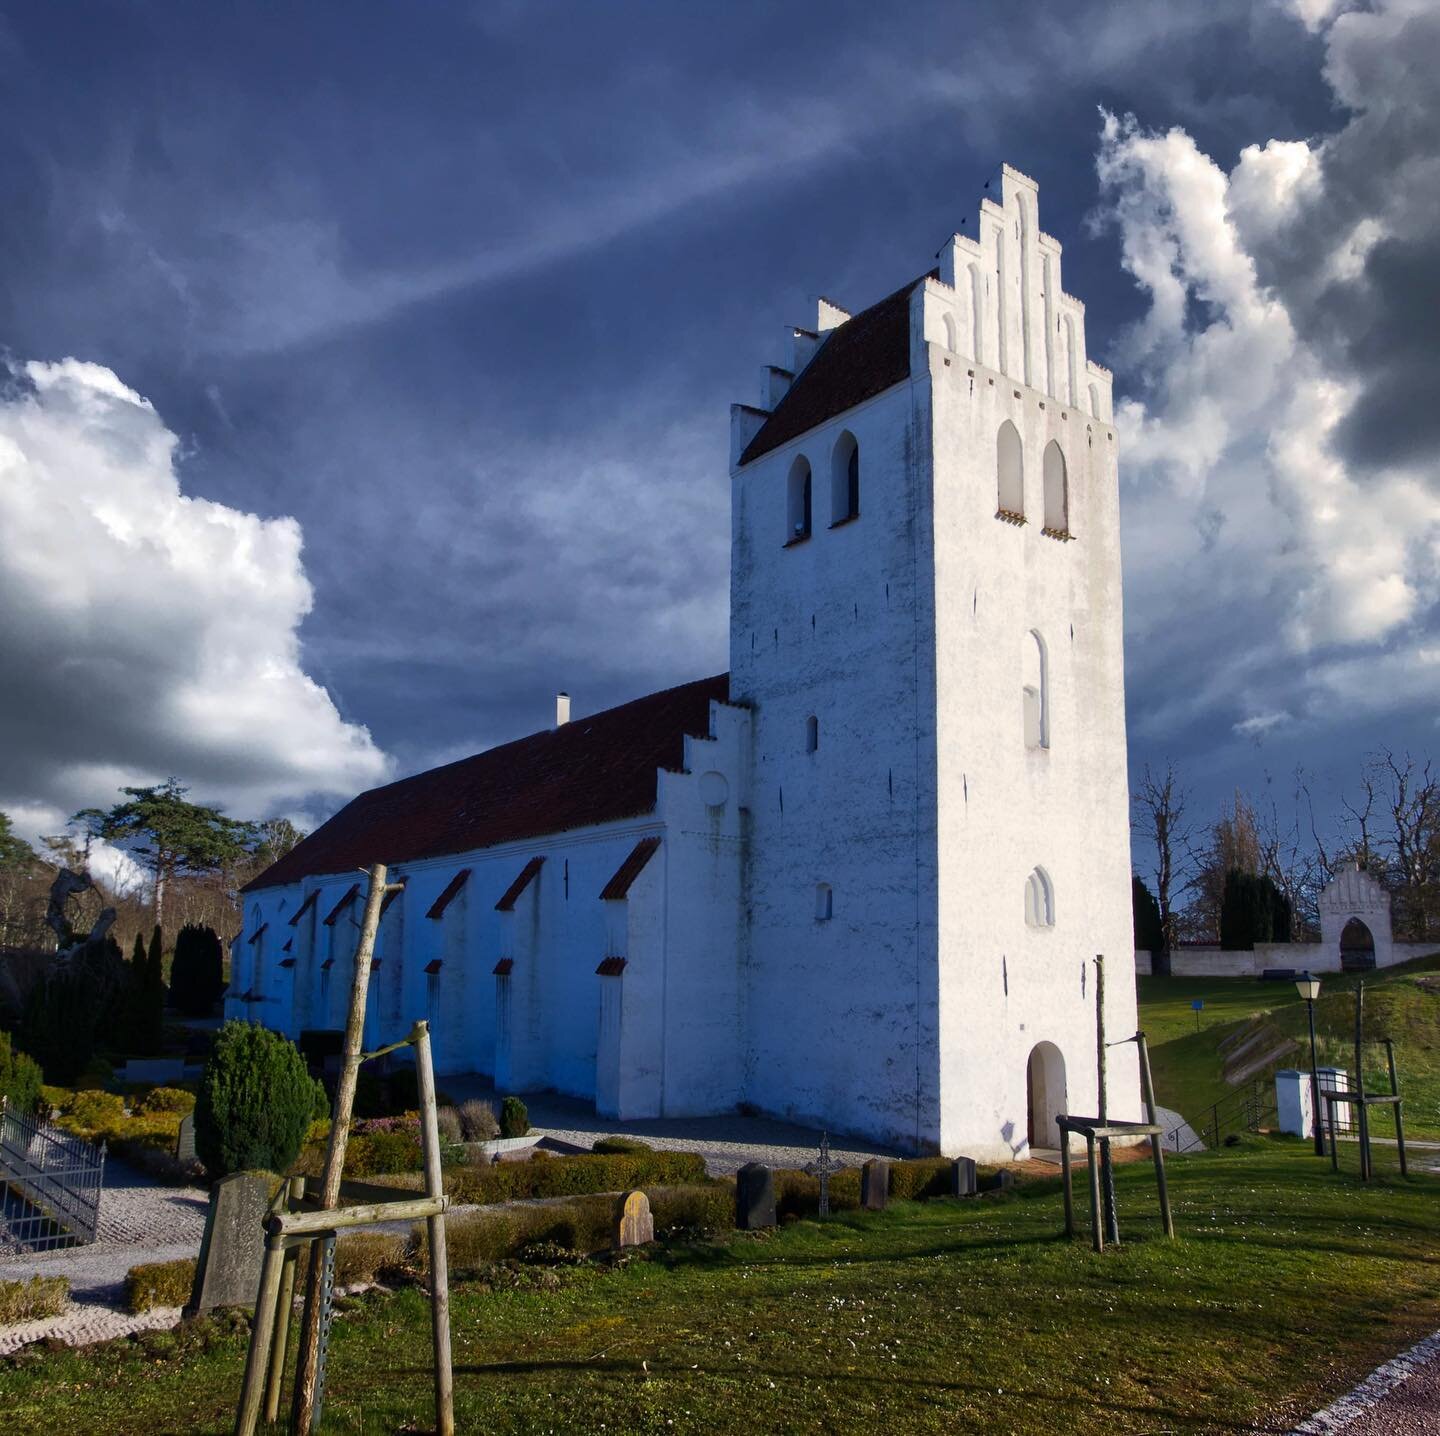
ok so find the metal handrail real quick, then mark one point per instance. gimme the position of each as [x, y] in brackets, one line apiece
[1242, 1110]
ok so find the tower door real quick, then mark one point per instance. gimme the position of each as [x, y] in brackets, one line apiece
[1044, 1094]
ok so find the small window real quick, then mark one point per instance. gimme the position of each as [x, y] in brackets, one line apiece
[1009, 473]
[824, 902]
[812, 733]
[1035, 692]
[1039, 900]
[1057, 504]
[797, 520]
[845, 480]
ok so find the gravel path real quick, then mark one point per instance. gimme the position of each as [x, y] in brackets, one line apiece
[726, 1143]
[141, 1220]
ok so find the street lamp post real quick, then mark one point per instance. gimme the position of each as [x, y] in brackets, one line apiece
[1309, 988]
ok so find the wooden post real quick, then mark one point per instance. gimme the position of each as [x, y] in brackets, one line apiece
[283, 1304]
[1097, 1235]
[439, 1262]
[252, 1389]
[1157, 1140]
[1066, 1182]
[307, 1355]
[1360, 1081]
[1395, 1092]
[1107, 1169]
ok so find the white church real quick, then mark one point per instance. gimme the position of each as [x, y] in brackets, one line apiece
[858, 881]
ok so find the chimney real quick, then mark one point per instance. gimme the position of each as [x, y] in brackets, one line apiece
[562, 709]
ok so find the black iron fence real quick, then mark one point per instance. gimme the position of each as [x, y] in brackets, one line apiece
[50, 1185]
[1247, 1109]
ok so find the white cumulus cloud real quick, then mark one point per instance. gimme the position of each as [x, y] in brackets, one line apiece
[146, 632]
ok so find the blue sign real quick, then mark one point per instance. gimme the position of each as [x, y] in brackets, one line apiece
[1197, 1004]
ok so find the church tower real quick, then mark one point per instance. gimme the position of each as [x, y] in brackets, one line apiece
[926, 625]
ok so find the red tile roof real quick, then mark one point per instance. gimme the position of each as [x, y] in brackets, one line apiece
[630, 869]
[590, 770]
[304, 908]
[857, 360]
[259, 932]
[527, 873]
[610, 967]
[452, 888]
[334, 911]
[433, 967]
[504, 967]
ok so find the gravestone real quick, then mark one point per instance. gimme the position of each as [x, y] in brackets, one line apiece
[185, 1139]
[634, 1223]
[962, 1177]
[228, 1271]
[754, 1197]
[874, 1185]
[1004, 1181]
[824, 1167]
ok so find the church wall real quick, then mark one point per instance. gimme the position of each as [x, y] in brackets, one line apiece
[1006, 808]
[839, 1011]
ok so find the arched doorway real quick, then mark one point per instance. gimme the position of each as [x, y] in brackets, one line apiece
[1357, 947]
[1044, 1094]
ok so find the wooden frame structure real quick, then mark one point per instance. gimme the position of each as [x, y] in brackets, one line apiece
[317, 1227]
[1364, 1101]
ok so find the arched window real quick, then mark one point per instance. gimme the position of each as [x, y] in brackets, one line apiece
[1057, 503]
[845, 480]
[797, 513]
[1095, 401]
[1035, 692]
[824, 902]
[951, 339]
[1010, 472]
[1039, 900]
[812, 734]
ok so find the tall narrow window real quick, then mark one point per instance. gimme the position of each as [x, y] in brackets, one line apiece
[824, 902]
[1094, 401]
[1057, 500]
[1039, 900]
[1034, 691]
[812, 733]
[845, 480]
[797, 522]
[952, 342]
[1010, 472]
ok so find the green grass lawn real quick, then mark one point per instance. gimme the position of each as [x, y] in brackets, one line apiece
[1286, 1286]
[1188, 1066]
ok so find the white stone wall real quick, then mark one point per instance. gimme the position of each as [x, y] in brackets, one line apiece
[1006, 808]
[839, 1012]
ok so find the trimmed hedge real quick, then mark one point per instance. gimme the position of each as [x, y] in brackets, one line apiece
[608, 1146]
[30, 1300]
[160, 1283]
[571, 1176]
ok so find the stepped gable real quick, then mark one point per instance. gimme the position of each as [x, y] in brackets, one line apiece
[591, 770]
[860, 358]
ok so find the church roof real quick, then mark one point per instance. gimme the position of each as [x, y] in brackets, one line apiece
[860, 358]
[591, 770]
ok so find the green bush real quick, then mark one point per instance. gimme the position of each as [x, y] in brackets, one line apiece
[374, 1154]
[478, 1122]
[572, 1176]
[161, 1283]
[514, 1118]
[90, 1112]
[924, 1177]
[255, 1103]
[362, 1257]
[609, 1145]
[167, 1099]
[692, 1209]
[19, 1077]
[30, 1300]
[474, 1240]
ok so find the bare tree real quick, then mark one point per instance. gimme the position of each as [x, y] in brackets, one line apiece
[1408, 843]
[1159, 818]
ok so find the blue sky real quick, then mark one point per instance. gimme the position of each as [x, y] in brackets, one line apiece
[412, 331]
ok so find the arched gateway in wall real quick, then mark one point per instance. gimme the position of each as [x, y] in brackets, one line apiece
[1357, 947]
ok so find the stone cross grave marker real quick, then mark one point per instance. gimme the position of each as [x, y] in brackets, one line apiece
[824, 1166]
[634, 1223]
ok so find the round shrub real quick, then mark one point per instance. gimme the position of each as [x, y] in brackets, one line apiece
[166, 1099]
[514, 1118]
[19, 1077]
[612, 1145]
[255, 1104]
